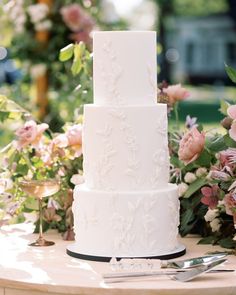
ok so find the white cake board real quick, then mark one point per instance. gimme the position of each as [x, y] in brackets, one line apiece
[72, 250]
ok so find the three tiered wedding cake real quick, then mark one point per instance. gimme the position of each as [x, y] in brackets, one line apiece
[125, 208]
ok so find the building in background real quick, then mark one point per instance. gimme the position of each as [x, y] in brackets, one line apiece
[198, 47]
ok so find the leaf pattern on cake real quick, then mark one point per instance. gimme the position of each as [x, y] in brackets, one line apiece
[173, 207]
[112, 75]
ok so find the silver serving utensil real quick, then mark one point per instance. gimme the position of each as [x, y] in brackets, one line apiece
[127, 276]
[124, 276]
[192, 262]
[193, 273]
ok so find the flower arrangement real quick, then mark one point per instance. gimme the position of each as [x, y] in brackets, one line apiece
[37, 153]
[203, 164]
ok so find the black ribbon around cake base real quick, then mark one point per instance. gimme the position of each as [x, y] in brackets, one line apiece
[71, 251]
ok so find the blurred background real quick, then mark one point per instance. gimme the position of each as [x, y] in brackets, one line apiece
[195, 40]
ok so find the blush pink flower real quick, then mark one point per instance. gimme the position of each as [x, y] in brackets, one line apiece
[191, 145]
[61, 141]
[76, 18]
[230, 204]
[231, 111]
[210, 196]
[176, 93]
[30, 133]
[74, 135]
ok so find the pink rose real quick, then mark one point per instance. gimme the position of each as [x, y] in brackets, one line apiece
[191, 146]
[176, 93]
[232, 114]
[30, 133]
[61, 141]
[74, 135]
[76, 18]
[210, 196]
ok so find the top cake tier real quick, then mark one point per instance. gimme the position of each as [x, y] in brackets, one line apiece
[124, 68]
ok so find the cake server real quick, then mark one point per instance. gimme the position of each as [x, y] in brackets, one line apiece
[193, 273]
[118, 277]
[192, 262]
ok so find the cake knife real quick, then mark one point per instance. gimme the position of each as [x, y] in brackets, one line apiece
[193, 273]
[192, 262]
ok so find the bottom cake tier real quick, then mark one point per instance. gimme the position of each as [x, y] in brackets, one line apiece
[126, 224]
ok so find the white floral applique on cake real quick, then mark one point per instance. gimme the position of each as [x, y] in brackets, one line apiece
[129, 140]
[161, 155]
[111, 75]
[151, 81]
[104, 163]
[149, 222]
[123, 225]
[173, 207]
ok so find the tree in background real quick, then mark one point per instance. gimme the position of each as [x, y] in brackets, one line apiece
[39, 29]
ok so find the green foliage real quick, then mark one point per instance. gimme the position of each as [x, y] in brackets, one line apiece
[227, 243]
[207, 240]
[229, 141]
[231, 73]
[223, 107]
[216, 144]
[195, 186]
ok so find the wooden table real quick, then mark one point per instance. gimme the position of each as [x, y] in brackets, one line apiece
[49, 270]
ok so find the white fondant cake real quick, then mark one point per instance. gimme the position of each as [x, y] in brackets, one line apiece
[125, 208]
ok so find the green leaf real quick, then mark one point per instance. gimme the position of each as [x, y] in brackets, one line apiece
[76, 67]
[231, 72]
[195, 186]
[187, 217]
[31, 203]
[66, 52]
[204, 159]
[217, 144]
[223, 107]
[207, 240]
[174, 160]
[4, 116]
[79, 51]
[188, 221]
[229, 141]
[227, 243]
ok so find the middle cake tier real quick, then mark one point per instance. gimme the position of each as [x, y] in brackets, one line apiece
[125, 148]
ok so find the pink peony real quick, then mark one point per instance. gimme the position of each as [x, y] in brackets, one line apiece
[210, 196]
[176, 93]
[76, 18]
[30, 133]
[191, 146]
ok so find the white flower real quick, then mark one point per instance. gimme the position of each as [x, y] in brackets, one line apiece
[182, 188]
[190, 177]
[37, 12]
[43, 26]
[215, 224]
[201, 171]
[211, 214]
[38, 70]
[77, 179]
[16, 14]
[53, 204]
